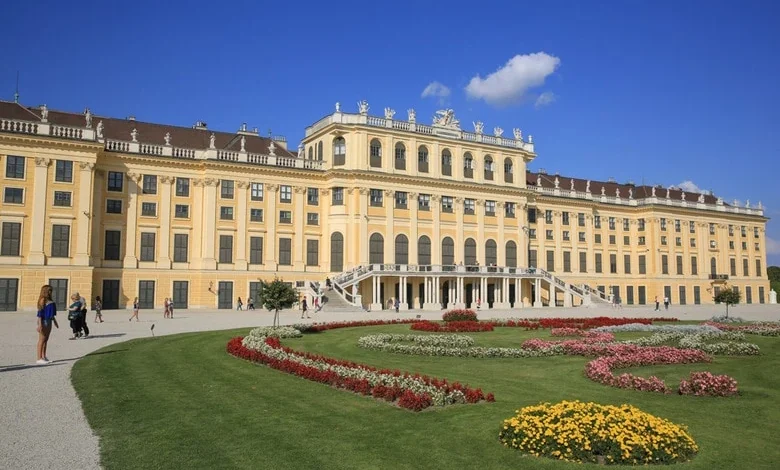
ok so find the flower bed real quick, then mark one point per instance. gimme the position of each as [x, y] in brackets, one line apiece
[453, 327]
[589, 432]
[588, 323]
[588, 336]
[460, 315]
[762, 329]
[276, 332]
[413, 392]
[527, 324]
[448, 345]
[644, 327]
[318, 327]
[707, 384]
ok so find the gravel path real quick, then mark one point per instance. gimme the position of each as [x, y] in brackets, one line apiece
[44, 426]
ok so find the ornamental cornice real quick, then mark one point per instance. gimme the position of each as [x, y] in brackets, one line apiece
[435, 198]
[242, 184]
[198, 182]
[133, 176]
[413, 195]
[212, 182]
[459, 200]
[87, 166]
[44, 162]
[363, 191]
[272, 187]
[389, 192]
[325, 191]
[299, 189]
[167, 179]
[480, 202]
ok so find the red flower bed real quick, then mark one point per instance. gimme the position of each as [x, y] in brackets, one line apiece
[318, 327]
[707, 384]
[460, 315]
[587, 323]
[527, 324]
[453, 327]
[406, 398]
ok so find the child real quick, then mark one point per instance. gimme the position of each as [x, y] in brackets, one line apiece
[98, 309]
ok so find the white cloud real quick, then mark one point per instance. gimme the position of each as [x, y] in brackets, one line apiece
[436, 89]
[690, 187]
[509, 83]
[544, 99]
[772, 246]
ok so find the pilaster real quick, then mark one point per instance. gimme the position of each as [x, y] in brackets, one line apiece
[413, 229]
[364, 244]
[271, 218]
[209, 223]
[164, 260]
[436, 241]
[299, 211]
[458, 232]
[389, 224]
[40, 189]
[130, 259]
[241, 263]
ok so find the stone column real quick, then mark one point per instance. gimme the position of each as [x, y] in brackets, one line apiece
[209, 223]
[413, 233]
[130, 259]
[518, 293]
[501, 248]
[377, 304]
[83, 215]
[299, 215]
[363, 238]
[164, 260]
[480, 212]
[403, 300]
[36, 254]
[436, 238]
[389, 227]
[590, 258]
[96, 257]
[537, 293]
[270, 254]
[459, 229]
[241, 263]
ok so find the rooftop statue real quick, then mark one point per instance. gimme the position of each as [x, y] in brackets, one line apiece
[99, 130]
[212, 141]
[572, 184]
[479, 127]
[446, 118]
[44, 113]
[363, 107]
[167, 138]
[134, 135]
[243, 143]
[338, 107]
[412, 115]
[518, 133]
[587, 187]
[498, 132]
[272, 148]
[88, 117]
[389, 113]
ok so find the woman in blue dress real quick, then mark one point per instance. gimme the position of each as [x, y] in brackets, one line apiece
[47, 311]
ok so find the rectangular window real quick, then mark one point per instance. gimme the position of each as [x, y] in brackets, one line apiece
[663, 223]
[583, 262]
[682, 300]
[626, 240]
[548, 216]
[111, 249]
[312, 218]
[182, 211]
[181, 247]
[626, 225]
[611, 239]
[12, 237]
[642, 240]
[744, 245]
[14, 167]
[531, 215]
[256, 191]
[613, 263]
[598, 263]
[694, 266]
[565, 218]
[255, 250]
[612, 223]
[424, 202]
[312, 252]
[549, 234]
[679, 260]
[566, 236]
[627, 264]
[567, 261]
[60, 241]
[641, 225]
[677, 225]
[663, 240]
[114, 206]
[532, 259]
[759, 273]
[313, 196]
[285, 251]
[376, 197]
[226, 249]
[733, 266]
[147, 246]
[712, 228]
[581, 219]
[551, 260]
[285, 193]
[642, 294]
[629, 295]
[116, 181]
[755, 232]
[468, 206]
[731, 230]
[745, 270]
[337, 199]
[446, 204]
[761, 295]
[226, 213]
[677, 241]
[400, 199]
[183, 187]
[664, 264]
[598, 238]
[696, 295]
[693, 243]
[692, 226]
[63, 172]
[149, 209]
[150, 184]
[13, 196]
[227, 189]
[255, 215]
[581, 236]
[597, 221]
[285, 217]
[532, 233]
[490, 208]
[642, 264]
[509, 209]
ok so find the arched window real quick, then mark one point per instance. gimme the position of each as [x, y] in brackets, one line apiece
[336, 252]
[311, 153]
[424, 251]
[488, 167]
[511, 254]
[508, 170]
[422, 159]
[375, 153]
[470, 252]
[491, 253]
[339, 151]
[401, 249]
[447, 252]
[468, 165]
[400, 156]
[713, 266]
[446, 162]
[320, 156]
[376, 249]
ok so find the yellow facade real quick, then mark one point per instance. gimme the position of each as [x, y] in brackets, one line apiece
[127, 221]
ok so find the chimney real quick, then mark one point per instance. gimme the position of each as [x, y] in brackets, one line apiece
[244, 130]
[200, 125]
[542, 171]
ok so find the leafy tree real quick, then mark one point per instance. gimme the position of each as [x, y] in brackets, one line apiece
[773, 273]
[277, 295]
[728, 297]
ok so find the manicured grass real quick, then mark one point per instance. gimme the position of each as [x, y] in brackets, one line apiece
[183, 402]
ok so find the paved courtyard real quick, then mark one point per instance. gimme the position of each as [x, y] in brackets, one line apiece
[44, 426]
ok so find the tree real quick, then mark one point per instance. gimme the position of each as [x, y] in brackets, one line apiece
[728, 297]
[773, 273]
[277, 295]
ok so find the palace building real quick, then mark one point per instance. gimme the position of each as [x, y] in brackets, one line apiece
[386, 208]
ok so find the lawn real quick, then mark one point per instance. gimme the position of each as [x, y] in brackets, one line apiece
[182, 402]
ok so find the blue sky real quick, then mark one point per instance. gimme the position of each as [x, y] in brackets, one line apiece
[660, 92]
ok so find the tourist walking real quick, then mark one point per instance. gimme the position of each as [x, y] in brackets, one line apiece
[165, 308]
[250, 304]
[239, 304]
[397, 305]
[304, 308]
[74, 316]
[657, 304]
[170, 308]
[47, 311]
[316, 303]
[98, 309]
[83, 318]
[666, 303]
[135, 310]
